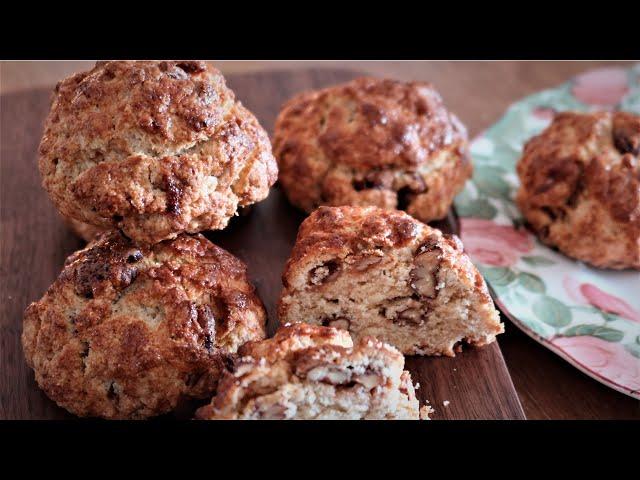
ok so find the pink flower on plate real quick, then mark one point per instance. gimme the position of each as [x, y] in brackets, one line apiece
[608, 303]
[493, 244]
[607, 359]
[572, 287]
[602, 87]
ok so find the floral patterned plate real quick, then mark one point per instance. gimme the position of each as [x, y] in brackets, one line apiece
[589, 317]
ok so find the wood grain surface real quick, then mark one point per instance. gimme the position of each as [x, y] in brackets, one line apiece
[34, 243]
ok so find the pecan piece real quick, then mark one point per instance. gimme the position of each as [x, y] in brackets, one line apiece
[328, 374]
[365, 263]
[243, 366]
[374, 181]
[340, 322]
[424, 274]
[626, 133]
[276, 411]
[416, 183]
[410, 315]
[324, 273]
[369, 380]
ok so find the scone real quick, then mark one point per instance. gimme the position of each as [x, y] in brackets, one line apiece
[84, 230]
[372, 142]
[382, 273]
[580, 187]
[128, 331]
[154, 149]
[315, 373]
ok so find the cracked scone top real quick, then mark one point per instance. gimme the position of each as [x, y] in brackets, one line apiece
[154, 149]
[384, 274]
[127, 331]
[372, 142]
[310, 372]
[580, 187]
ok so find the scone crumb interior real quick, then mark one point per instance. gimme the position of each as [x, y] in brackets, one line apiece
[310, 372]
[384, 274]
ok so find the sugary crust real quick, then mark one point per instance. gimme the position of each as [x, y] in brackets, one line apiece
[372, 142]
[310, 372]
[580, 187]
[127, 331]
[355, 232]
[356, 247]
[294, 337]
[153, 148]
[346, 231]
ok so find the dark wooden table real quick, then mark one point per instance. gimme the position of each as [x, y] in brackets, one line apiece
[547, 386]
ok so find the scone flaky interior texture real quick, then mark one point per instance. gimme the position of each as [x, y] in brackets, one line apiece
[153, 148]
[127, 331]
[372, 142]
[580, 187]
[382, 273]
[310, 372]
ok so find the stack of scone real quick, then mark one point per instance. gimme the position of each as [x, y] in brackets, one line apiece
[150, 312]
[142, 156]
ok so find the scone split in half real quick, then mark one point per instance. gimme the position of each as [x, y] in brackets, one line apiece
[127, 331]
[382, 273]
[308, 372]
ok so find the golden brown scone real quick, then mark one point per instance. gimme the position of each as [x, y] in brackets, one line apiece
[383, 273]
[127, 331]
[315, 373]
[580, 187]
[84, 230]
[154, 149]
[375, 142]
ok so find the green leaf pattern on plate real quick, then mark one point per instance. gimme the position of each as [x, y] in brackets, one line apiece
[531, 282]
[551, 311]
[536, 260]
[605, 333]
[479, 207]
[633, 349]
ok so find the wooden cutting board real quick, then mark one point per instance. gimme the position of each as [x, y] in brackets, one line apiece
[35, 243]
